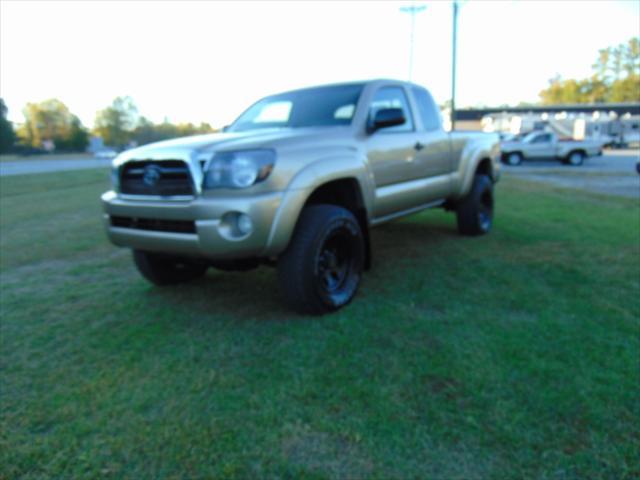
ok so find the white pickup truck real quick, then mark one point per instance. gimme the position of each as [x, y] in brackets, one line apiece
[547, 145]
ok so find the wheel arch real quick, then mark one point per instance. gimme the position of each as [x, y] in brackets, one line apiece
[340, 181]
[347, 193]
[576, 150]
[482, 164]
[485, 167]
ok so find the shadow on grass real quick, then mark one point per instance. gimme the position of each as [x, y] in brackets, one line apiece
[254, 295]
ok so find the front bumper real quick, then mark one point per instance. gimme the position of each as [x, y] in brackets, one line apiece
[211, 237]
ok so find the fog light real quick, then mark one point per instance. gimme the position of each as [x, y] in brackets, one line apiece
[244, 224]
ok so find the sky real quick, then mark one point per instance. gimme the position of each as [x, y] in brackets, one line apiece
[207, 61]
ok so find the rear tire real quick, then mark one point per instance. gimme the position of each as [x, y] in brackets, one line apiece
[320, 270]
[162, 269]
[475, 211]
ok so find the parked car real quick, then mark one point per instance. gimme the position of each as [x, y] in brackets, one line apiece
[27, 150]
[547, 145]
[297, 182]
[106, 153]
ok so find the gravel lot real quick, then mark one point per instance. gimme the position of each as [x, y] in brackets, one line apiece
[613, 173]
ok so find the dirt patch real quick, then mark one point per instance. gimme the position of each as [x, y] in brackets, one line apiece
[448, 387]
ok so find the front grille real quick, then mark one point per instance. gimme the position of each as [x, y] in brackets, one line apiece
[164, 178]
[154, 224]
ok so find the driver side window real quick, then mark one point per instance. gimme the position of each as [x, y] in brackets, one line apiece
[392, 97]
[545, 138]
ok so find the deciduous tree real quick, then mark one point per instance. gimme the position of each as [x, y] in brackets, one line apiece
[7, 135]
[52, 120]
[616, 78]
[147, 131]
[116, 123]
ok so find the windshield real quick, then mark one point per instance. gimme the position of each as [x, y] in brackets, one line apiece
[530, 136]
[312, 107]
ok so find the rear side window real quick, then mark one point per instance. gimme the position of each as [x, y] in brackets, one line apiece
[429, 113]
[392, 97]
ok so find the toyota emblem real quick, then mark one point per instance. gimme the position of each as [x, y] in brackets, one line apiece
[151, 175]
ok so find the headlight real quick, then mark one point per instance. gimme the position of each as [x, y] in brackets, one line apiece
[239, 169]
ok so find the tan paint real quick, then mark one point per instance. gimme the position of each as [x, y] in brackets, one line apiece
[394, 179]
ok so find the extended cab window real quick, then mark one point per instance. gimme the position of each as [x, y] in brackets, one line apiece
[429, 113]
[392, 97]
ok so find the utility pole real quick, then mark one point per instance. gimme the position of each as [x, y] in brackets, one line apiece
[412, 10]
[453, 65]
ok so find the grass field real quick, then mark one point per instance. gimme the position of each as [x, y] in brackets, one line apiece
[515, 355]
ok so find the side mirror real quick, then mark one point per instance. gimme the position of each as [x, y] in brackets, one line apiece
[225, 128]
[386, 117]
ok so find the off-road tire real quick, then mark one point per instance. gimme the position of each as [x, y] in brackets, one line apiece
[162, 269]
[475, 211]
[320, 270]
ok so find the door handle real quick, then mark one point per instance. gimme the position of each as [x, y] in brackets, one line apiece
[418, 146]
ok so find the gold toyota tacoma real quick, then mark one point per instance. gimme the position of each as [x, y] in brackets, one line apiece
[298, 181]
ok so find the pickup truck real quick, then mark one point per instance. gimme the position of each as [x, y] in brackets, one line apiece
[547, 145]
[297, 182]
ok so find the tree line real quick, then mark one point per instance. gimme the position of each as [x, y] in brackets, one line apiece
[615, 78]
[51, 125]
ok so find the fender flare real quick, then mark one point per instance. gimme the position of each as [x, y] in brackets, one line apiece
[305, 182]
[470, 166]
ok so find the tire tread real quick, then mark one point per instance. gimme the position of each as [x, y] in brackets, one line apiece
[295, 276]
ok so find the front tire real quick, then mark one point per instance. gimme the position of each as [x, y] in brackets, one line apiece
[575, 159]
[321, 269]
[514, 159]
[475, 211]
[162, 269]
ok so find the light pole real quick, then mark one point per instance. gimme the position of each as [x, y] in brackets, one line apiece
[412, 10]
[453, 65]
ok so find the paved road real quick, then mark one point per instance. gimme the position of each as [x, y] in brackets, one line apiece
[613, 173]
[24, 167]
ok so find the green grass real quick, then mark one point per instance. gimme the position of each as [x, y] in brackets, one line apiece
[514, 355]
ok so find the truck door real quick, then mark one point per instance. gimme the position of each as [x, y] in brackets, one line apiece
[391, 153]
[433, 157]
[542, 146]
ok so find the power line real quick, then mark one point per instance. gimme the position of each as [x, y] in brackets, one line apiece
[453, 64]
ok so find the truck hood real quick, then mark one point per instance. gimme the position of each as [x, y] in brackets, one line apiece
[207, 144]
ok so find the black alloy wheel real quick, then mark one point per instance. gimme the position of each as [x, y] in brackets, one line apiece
[320, 270]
